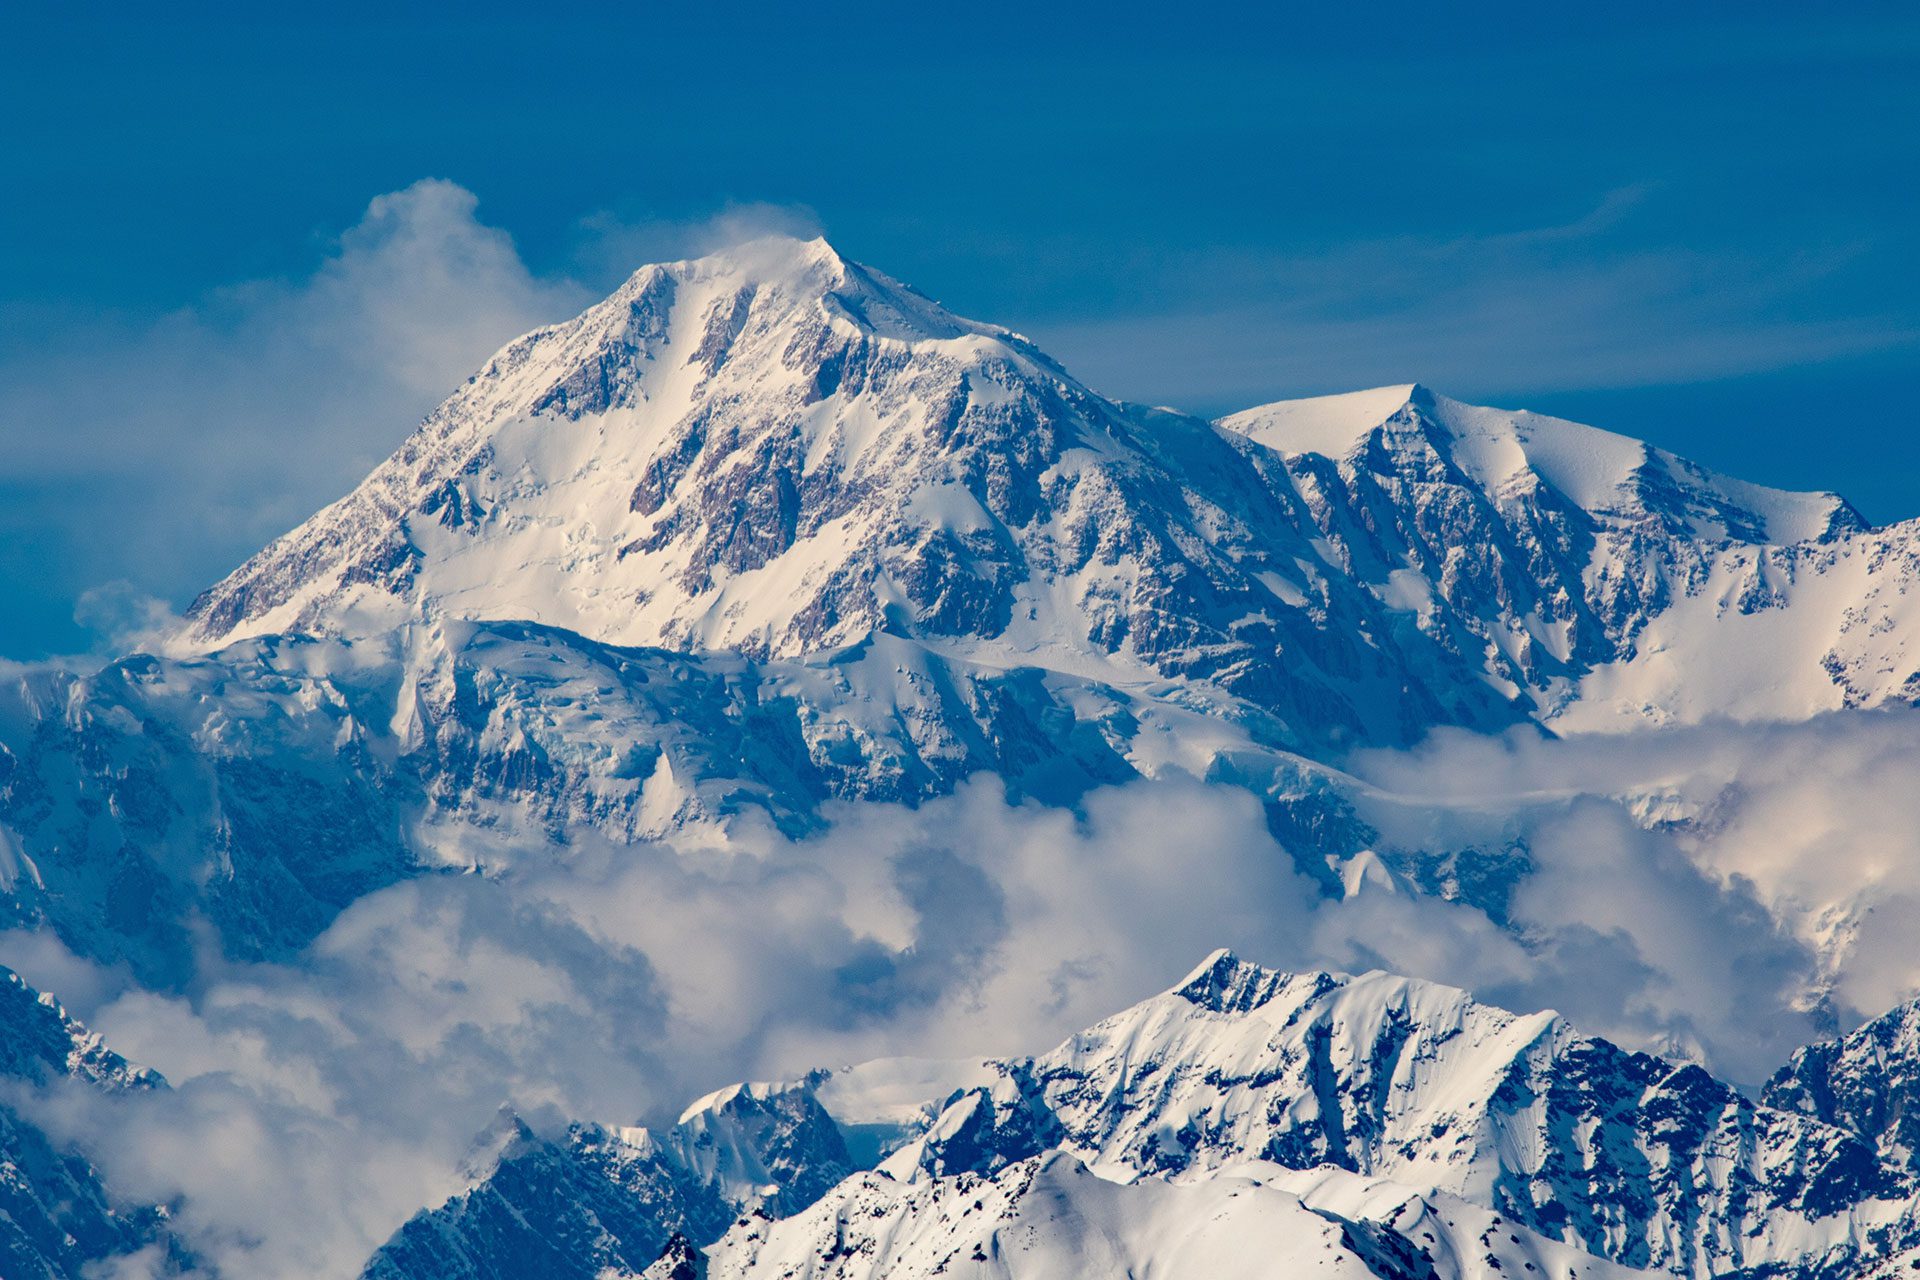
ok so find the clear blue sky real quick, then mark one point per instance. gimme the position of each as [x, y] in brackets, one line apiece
[1690, 223]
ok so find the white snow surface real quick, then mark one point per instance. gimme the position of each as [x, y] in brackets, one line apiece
[1497, 448]
[777, 452]
[1050, 1216]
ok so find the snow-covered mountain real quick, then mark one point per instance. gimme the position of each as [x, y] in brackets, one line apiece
[768, 531]
[1371, 1125]
[778, 452]
[57, 1222]
[1867, 1082]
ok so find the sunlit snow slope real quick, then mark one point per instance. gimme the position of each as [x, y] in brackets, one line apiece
[778, 452]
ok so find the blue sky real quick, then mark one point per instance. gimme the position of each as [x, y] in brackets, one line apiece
[1694, 224]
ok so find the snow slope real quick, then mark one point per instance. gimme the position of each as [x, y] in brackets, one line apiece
[777, 452]
[1049, 1215]
[1365, 1125]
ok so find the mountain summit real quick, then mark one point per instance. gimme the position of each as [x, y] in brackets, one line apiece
[779, 452]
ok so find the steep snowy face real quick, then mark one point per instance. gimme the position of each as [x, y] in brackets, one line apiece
[1050, 1216]
[1046, 1216]
[1867, 1082]
[778, 452]
[632, 474]
[1623, 1155]
[1545, 546]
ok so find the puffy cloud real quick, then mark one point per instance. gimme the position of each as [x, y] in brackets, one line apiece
[1673, 890]
[1758, 881]
[617, 982]
[165, 453]
[246, 411]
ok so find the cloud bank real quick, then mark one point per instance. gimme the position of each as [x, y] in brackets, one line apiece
[1703, 892]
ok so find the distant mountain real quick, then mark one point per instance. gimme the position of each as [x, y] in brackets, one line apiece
[778, 452]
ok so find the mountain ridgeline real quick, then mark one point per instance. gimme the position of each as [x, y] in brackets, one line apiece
[768, 532]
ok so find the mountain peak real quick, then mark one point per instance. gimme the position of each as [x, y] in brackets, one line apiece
[775, 450]
[768, 260]
[1224, 983]
[1414, 430]
[802, 274]
[627, 473]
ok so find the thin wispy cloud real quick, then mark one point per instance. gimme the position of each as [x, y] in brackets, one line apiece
[1572, 305]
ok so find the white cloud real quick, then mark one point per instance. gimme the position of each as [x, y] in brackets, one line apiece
[618, 982]
[612, 247]
[1533, 310]
[615, 983]
[1766, 876]
[165, 454]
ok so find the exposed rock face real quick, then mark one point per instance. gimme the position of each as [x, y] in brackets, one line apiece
[1867, 1083]
[57, 1221]
[597, 1202]
[1398, 1125]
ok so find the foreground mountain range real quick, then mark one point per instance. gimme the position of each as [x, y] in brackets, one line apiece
[767, 533]
[1372, 1125]
[1246, 1122]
